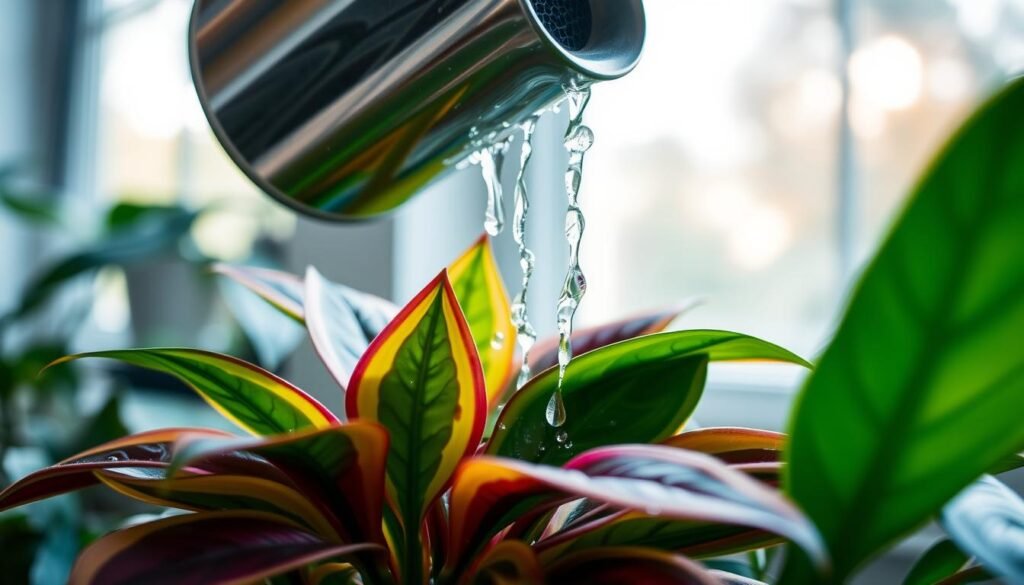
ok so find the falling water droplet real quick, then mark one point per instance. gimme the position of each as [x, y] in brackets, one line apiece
[578, 140]
[568, 444]
[555, 412]
[561, 436]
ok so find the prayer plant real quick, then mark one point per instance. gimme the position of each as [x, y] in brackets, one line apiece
[426, 477]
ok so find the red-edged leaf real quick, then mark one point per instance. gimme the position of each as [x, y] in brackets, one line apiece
[421, 379]
[510, 562]
[342, 466]
[225, 492]
[612, 566]
[251, 397]
[151, 449]
[342, 322]
[588, 524]
[545, 354]
[628, 528]
[210, 548]
[735, 445]
[489, 493]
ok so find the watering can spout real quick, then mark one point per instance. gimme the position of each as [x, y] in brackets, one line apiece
[344, 109]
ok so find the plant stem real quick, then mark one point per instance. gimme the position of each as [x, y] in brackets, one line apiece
[413, 558]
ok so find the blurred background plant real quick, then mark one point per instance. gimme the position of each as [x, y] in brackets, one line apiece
[47, 415]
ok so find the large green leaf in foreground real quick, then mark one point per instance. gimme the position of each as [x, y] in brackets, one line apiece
[922, 389]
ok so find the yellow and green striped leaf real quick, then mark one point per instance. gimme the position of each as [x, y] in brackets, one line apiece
[209, 547]
[421, 379]
[251, 397]
[481, 293]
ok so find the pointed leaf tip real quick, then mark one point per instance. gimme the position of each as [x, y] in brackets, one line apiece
[481, 293]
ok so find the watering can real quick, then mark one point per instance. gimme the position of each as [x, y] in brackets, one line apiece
[344, 109]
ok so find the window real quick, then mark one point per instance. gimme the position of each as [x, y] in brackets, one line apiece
[155, 145]
[724, 168]
[718, 162]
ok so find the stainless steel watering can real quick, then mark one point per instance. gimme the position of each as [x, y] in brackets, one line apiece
[344, 109]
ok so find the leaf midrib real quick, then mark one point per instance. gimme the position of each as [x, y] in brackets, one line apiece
[415, 423]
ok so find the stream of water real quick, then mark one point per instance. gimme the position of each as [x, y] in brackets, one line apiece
[526, 336]
[578, 140]
[491, 160]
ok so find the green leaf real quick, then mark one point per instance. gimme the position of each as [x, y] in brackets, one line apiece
[544, 355]
[938, 563]
[922, 389]
[1010, 463]
[249, 396]
[636, 391]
